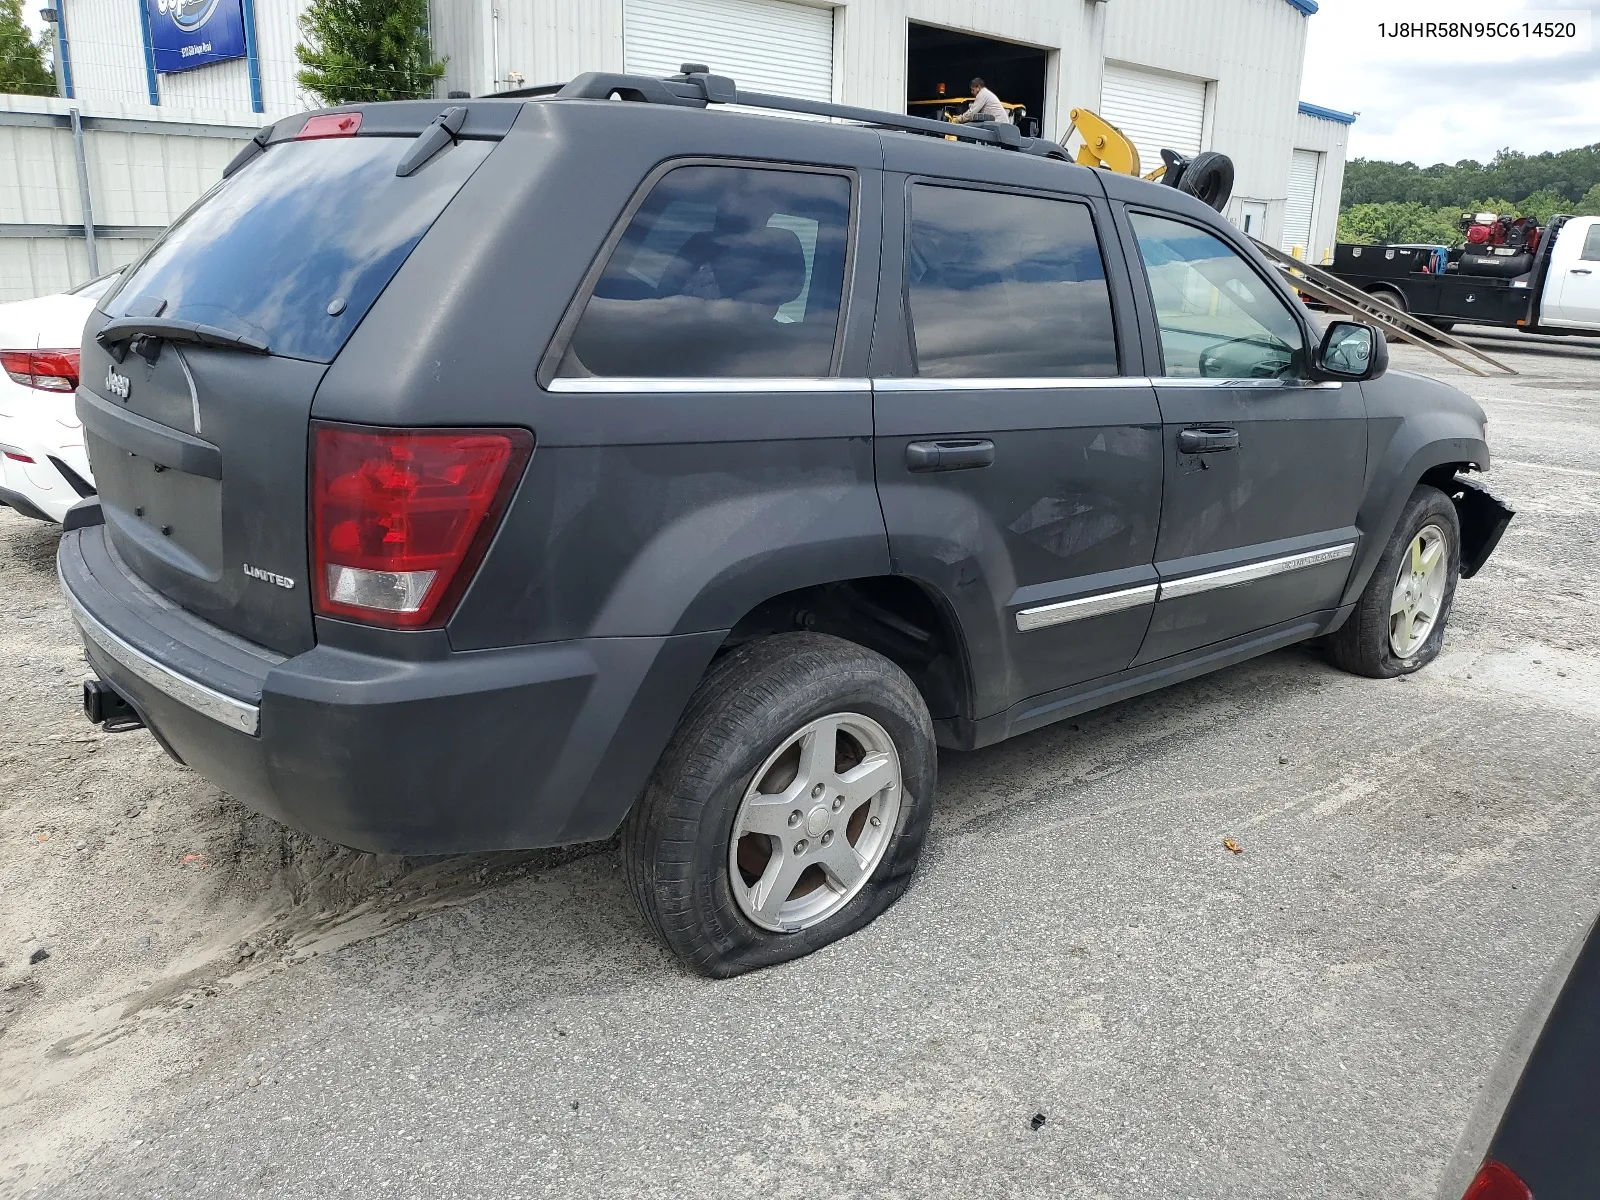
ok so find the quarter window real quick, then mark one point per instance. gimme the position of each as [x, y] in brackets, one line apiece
[1006, 286]
[723, 271]
[1218, 318]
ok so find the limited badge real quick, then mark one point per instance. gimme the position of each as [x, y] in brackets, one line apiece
[282, 581]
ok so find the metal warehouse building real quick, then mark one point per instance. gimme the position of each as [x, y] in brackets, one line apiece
[157, 94]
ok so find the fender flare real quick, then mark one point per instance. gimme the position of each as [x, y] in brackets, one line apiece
[1395, 477]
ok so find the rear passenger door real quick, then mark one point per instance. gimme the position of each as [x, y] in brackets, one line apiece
[1019, 469]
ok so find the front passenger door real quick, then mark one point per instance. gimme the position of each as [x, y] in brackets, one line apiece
[1264, 469]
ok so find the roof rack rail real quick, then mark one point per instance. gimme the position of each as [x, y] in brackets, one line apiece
[696, 87]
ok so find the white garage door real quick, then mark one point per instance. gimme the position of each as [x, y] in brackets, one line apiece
[765, 45]
[1304, 170]
[1159, 112]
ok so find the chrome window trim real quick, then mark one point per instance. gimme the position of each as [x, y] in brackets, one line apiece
[925, 383]
[1045, 615]
[596, 384]
[236, 714]
[1190, 381]
[1193, 585]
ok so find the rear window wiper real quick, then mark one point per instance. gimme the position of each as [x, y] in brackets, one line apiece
[116, 335]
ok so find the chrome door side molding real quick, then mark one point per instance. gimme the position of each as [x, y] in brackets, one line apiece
[1046, 615]
[1193, 585]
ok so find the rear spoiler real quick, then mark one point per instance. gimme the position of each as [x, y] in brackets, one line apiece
[479, 120]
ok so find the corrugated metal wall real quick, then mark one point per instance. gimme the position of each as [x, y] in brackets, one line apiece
[1254, 51]
[1331, 139]
[1251, 50]
[544, 41]
[141, 177]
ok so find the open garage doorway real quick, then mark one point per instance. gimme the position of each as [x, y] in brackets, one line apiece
[940, 62]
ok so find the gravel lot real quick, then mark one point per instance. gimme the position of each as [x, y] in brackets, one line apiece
[199, 1003]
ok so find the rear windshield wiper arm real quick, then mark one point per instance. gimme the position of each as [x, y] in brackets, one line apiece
[115, 334]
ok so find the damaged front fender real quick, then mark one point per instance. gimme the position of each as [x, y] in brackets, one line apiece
[1483, 517]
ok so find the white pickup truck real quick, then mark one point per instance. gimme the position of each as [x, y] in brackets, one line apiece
[1554, 289]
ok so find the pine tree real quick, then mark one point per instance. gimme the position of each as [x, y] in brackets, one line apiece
[363, 50]
[22, 66]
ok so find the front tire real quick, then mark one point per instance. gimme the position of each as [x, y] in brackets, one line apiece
[1398, 624]
[790, 807]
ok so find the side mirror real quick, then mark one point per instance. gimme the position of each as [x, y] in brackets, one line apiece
[1351, 351]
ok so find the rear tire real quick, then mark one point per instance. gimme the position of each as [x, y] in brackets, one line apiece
[714, 856]
[1390, 297]
[1385, 636]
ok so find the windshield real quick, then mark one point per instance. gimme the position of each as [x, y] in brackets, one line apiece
[295, 247]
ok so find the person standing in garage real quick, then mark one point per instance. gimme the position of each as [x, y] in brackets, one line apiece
[985, 106]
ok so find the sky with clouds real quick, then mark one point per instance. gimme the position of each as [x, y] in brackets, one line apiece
[1430, 101]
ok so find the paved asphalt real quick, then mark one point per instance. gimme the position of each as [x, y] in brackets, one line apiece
[1314, 1017]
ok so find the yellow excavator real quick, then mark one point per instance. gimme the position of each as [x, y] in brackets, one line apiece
[1208, 176]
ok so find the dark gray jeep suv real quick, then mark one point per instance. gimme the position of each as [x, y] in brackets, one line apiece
[502, 473]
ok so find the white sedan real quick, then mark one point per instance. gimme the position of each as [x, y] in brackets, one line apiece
[44, 467]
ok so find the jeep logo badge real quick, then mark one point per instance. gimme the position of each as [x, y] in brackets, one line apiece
[282, 581]
[117, 385]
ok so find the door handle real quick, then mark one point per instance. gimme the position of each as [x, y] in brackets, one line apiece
[1207, 441]
[961, 454]
[1582, 271]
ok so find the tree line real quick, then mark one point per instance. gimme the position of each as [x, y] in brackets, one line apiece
[1402, 202]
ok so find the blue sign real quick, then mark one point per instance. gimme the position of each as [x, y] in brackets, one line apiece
[192, 33]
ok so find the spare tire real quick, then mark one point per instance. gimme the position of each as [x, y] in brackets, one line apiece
[1208, 178]
[1499, 266]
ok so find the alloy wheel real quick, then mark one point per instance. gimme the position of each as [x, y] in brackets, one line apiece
[1419, 591]
[815, 822]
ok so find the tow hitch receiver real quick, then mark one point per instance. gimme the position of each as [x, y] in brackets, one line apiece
[104, 706]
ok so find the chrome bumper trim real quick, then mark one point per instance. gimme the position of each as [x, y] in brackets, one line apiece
[236, 714]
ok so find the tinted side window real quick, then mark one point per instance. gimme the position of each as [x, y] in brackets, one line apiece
[1218, 318]
[722, 271]
[1006, 286]
[1591, 245]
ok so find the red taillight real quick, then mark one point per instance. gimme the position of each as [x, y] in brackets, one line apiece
[46, 370]
[327, 125]
[17, 456]
[1496, 1181]
[400, 518]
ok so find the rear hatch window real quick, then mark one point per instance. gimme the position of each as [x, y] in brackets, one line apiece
[200, 459]
[295, 247]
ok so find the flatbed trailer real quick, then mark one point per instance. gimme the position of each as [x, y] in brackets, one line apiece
[1560, 294]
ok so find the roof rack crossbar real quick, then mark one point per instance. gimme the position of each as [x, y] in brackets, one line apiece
[697, 89]
[602, 85]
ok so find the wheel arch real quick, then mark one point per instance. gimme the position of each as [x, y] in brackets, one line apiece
[1440, 463]
[902, 618]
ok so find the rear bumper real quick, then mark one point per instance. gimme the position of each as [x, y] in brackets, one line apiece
[484, 750]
